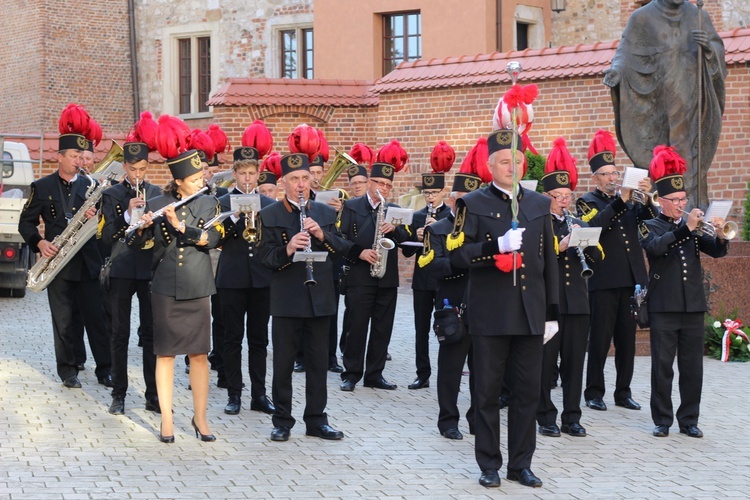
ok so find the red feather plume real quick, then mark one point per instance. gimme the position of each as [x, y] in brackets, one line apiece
[144, 130]
[259, 137]
[476, 160]
[172, 136]
[559, 159]
[304, 139]
[74, 120]
[518, 95]
[362, 154]
[603, 140]
[666, 161]
[202, 141]
[221, 141]
[94, 133]
[272, 163]
[324, 149]
[393, 154]
[442, 157]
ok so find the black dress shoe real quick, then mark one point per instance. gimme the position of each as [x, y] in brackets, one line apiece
[152, 404]
[381, 383]
[692, 431]
[452, 433]
[233, 406]
[262, 404]
[335, 368]
[549, 430]
[118, 406]
[525, 477]
[80, 366]
[72, 382]
[106, 380]
[299, 366]
[573, 429]
[280, 433]
[347, 385]
[596, 404]
[420, 383]
[628, 403]
[661, 431]
[325, 431]
[490, 478]
[503, 401]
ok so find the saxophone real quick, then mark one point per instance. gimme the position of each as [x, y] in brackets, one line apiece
[381, 245]
[70, 241]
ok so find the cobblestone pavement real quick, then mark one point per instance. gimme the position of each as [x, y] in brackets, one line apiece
[62, 443]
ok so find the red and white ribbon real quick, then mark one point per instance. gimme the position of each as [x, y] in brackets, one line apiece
[726, 341]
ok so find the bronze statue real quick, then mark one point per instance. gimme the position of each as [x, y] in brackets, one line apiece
[667, 83]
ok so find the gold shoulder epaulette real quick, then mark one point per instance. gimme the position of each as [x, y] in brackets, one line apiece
[456, 238]
[427, 252]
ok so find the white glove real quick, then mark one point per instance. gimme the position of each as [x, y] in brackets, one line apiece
[550, 330]
[511, 240]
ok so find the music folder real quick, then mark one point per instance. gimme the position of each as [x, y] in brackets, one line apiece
[251, 201]
[300, 256]
[584, 237]
[399, 216]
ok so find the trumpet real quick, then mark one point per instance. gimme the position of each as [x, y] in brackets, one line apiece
[309, 279]
[250, 233]
[642, 197]
[726, 232]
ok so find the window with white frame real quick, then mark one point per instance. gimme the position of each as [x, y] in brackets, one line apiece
[189, 70]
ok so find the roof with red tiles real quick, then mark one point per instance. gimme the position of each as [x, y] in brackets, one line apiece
[541, 64]
[285, 91]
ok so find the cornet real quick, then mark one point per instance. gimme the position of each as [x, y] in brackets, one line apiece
[250, 233]
[639, 196]
[726, 232]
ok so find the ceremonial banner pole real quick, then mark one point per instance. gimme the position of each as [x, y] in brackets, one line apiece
[514, 69]
[700, 203]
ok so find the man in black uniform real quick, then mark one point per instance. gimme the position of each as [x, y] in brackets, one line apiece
[130, 274]
[56, 198]
[507, 320]
[374, 299]
[614, 277]
[423, 283]
[243, 285]
[300, 312]
[570, 343]
[451, 287]
[676, 298]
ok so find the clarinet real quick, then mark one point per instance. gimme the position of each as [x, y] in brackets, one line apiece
[309, 279]
[587, 272]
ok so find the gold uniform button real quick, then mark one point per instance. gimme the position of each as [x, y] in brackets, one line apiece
[523, 276]
[626, 241]
[523, 287]
[180, 256]
[567, 275]
[567, 283]
[182, 250]
[179, 265]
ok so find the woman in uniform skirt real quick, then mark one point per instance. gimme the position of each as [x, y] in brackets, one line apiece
[181, 286]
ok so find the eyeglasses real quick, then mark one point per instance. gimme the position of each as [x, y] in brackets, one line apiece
[561, 197]
[614, 174]
[675, 201]
[430, 194]
[357, 183]
[382, 185]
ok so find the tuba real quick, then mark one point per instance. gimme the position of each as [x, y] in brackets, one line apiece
[115, 154]
[340, 163]
[381, 244]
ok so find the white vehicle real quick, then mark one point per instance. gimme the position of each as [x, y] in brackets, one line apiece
[15, 256]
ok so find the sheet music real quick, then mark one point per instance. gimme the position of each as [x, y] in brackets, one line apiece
[317, 256]
[633, 176]
[584, 237]
[399, 216]
[218, 218]
[718, 208]
[529, 184]
[324, 196]
[252, 201]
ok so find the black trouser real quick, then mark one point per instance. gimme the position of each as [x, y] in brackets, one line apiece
[523, 355]
[217, 336]
[241, 308]
[288, 334]
[570, 345]
[451, 359]
[62, 295]
[610, 320]
[683, 333]
[345, 327]
[368, 303]
[424, 304]
[121, 295]
[333, 332]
